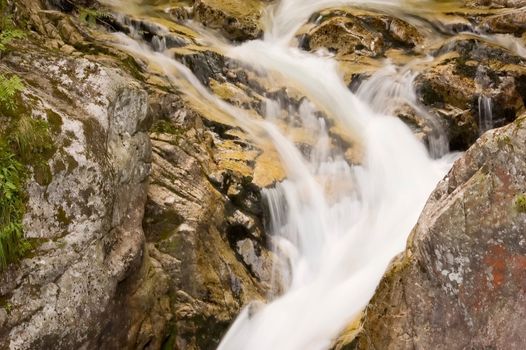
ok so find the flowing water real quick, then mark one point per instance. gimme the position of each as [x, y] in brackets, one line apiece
[336, 226]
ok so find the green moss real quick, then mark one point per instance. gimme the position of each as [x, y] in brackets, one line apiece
[55, 121]
[520, 203]
[132, 67]
[519, 121]
[504, 140]
[169, 343]
[42, 173]
[63, 218]
[166, 127]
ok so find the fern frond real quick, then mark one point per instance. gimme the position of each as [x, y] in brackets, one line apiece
[9, 87]
[8, 35]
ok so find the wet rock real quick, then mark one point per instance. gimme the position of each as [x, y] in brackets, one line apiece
[465, 72]
[460, 284]
[69, 5]
[368, 34]
[238, 20]
[513, 22]
[345, 35]
[202, 217]
[495, 3]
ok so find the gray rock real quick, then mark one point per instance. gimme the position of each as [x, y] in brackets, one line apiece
[460, 284]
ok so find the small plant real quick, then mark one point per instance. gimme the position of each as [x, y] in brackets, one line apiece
[12, 176]
[165, 127]
[8, 31]
[8, 35]
[8, 308]
[91, 16]
[520, 203]
[31, 138]
[9, 87]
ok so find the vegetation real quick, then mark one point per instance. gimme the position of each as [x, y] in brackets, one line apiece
[12, 175]
[24, 142]
[31, 138]
[7, 35]
[91, 16]
[8, 31]
[520, 203]
[8, 89]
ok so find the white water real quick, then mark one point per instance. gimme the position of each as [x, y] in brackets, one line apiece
[286, 17]
[338, 246]
[336, 226]
[485, 113]
[390, 88]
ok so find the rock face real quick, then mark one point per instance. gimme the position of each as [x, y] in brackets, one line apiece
[89, 215]
[150, 229]
[466, 72]
[461, 283]
[150, 226]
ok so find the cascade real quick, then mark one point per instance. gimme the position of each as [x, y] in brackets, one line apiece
[335, 226]
[485, 113]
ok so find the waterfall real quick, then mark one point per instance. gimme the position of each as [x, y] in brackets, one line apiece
[389, 88]
[337, 245]
[485, 113]
[336, 226]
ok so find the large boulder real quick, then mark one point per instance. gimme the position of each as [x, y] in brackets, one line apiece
[95, 279]
[461, 282]
[88, 215]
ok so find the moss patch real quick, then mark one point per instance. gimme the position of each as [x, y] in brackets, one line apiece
[520, 203]
[165, 127]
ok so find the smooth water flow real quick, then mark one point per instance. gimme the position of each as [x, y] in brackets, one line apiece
[485, 113]
[336, 226]
[391, 88]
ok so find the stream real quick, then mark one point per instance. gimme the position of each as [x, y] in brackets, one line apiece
[334, 224]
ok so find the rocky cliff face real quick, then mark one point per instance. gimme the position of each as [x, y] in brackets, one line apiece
[148, 219]
[88, 215]
[150, 228]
